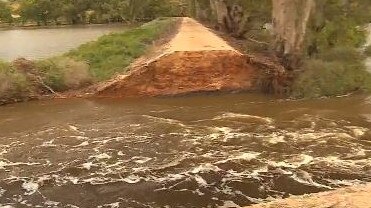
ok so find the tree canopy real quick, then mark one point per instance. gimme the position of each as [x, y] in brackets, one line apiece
[88, 11]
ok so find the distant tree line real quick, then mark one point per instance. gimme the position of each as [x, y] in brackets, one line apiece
[45, 12]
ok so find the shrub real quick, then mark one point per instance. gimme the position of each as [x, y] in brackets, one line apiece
[63, 73]
[343, 54]
[13, 85]
[322, 78]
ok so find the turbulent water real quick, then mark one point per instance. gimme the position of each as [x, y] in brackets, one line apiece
[198, 151]
[43, 43]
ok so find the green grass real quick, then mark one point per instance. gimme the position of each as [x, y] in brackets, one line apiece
[112, 53]
[337, 72]
[63, 73]
[92, 62]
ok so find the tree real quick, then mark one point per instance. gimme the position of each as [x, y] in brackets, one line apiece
[5, 12]
[290, 20]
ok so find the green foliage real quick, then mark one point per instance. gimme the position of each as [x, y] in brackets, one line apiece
[92, 11]
[337, 23]
[5, 12]
[339, 71]
[13, 85]
[112, 53]
[63, 73]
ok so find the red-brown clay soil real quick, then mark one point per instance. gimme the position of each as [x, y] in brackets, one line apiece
[195, 60]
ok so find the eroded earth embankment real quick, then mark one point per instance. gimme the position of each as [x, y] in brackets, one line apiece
[195, 60]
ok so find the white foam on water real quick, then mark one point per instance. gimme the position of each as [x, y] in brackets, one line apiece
[170, 177]
[344, 182]
[165, 120]
[3, 149]
[265, 120]
[132, 179]
[304, 177]
[51, 203]
[83, 144]
[205, 168]
[257, 172]
[141, 160]
[87, 165]
[202, 182]
[75, 129]
[294, 162]
[112, 205]
[2, 192]
[275, 139]
[6, 206]
[30, 187]
[247, 156]
[101, 156]
[49, 143]
[229, 204]
[4, 164]
[225, 133]
[357, 131]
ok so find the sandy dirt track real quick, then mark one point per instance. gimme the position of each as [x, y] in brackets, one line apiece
[193, 36]
[351, 197]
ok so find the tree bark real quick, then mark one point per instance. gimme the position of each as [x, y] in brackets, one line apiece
[290, 19]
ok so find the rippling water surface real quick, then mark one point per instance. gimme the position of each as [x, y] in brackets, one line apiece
[198, 151]
[43, 43]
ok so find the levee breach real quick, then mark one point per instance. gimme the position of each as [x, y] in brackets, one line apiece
[195, 60]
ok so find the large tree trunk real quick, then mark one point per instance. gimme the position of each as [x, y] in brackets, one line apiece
[230, 18]
[290, 18]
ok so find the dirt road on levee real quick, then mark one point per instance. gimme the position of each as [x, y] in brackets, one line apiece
[195, 60]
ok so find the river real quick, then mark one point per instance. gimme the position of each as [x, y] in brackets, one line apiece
[193, 151]
[43, 43]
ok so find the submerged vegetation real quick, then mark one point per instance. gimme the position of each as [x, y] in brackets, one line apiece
[92, 62]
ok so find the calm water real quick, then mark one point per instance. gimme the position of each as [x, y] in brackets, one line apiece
[41, 43]
[197, 151]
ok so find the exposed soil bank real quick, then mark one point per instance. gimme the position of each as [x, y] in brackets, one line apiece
[351, 197]
[184, 72]
[195, 60]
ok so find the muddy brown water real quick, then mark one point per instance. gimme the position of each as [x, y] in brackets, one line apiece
[194, 151]
[46, 42]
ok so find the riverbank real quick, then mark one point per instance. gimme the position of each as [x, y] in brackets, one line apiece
[32, 27]
[350, 197]
[93, 62]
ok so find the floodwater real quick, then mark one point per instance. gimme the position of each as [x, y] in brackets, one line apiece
[195, 151]
[43, 43]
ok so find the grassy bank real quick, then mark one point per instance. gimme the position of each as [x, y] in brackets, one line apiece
[90, 63]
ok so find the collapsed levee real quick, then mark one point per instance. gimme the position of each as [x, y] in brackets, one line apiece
[183, 72]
